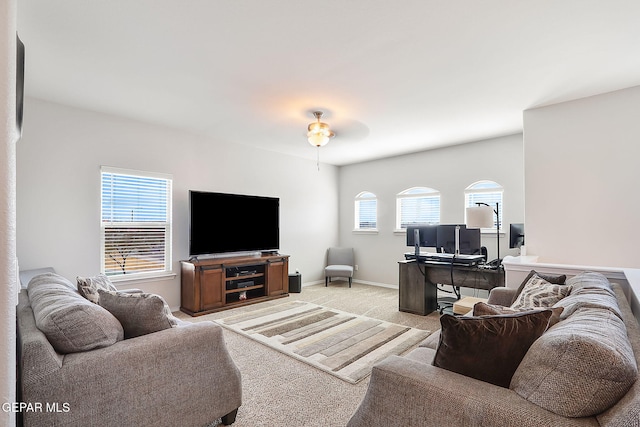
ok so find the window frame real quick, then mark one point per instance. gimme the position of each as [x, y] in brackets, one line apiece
[167, 224]
[416, 192]
[495, 188]
[365, 196]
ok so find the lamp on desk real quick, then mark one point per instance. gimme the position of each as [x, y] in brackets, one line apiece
[481, 216]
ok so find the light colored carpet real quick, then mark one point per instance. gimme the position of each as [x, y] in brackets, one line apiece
[281, 391]
[343, 344]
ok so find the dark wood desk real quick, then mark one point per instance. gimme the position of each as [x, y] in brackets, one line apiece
[418, 291]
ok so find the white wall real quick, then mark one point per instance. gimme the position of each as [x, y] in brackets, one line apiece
[449, 170]
[581, 180]
[58, 202]
[7, 209]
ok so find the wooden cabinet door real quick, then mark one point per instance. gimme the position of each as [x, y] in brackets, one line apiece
[277, 277]
[211, 288]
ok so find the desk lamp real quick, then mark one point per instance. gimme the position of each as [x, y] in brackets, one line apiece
[481, 216]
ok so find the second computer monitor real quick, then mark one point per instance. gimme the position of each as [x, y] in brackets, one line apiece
[469, 239]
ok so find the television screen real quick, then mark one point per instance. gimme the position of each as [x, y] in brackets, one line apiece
[19, 83]
[221, 222]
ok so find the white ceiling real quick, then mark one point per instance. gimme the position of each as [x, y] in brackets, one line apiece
[391, 77]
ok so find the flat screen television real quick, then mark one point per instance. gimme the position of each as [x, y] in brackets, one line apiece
[228, 223]
[19, 83]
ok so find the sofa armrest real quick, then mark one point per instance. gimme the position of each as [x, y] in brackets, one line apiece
[502, 296]
[178, 376]
[406, 392]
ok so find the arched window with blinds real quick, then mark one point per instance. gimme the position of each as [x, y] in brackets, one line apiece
[417, 205]
[366, 212]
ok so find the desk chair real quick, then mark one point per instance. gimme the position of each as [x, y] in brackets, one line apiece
[340, 262]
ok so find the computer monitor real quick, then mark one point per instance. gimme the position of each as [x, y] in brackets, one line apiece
[428, 235]
[516, 235]
[469, 239]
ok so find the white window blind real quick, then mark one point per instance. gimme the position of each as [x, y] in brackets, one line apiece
[419, 205]
[366, 211]
[135, 222]
[488, 192]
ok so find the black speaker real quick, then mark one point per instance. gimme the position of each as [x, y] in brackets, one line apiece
[295, 283]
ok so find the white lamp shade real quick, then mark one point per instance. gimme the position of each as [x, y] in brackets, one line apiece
[480, 217]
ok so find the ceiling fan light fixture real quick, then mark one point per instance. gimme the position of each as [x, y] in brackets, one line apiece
[319, 133]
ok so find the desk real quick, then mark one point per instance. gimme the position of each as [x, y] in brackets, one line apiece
[418, 292]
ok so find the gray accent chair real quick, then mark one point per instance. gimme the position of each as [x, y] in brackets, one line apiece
[340, 262]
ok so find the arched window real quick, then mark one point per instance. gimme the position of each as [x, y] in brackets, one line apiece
[417, 205]
[366, 211]
[488, 192]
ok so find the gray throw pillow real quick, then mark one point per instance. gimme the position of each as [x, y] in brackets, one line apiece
[139, 313]
[88, 286]
[70, 322]
[537, 292]
[556, 279]
[488, 348]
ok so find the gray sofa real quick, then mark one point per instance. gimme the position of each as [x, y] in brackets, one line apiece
[573, 369]
[83, 372]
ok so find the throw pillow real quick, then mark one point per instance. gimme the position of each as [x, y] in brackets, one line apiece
[488, 348]
[88, 286]
[70, 322]
[484, 309]
[139, 313]
[556, 279]
[537, 292]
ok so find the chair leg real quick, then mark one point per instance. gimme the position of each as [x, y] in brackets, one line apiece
[326, 281]
[349, 281]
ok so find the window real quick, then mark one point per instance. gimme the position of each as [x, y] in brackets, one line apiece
[135, 222]
[488, 192]
[417, 205]
[366, 211]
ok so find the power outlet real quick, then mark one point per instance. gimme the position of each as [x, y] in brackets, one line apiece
[356, 267]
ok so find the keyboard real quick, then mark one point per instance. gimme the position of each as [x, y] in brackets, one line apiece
[461, 259]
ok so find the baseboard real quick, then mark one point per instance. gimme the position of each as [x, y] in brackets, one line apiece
[364, 282]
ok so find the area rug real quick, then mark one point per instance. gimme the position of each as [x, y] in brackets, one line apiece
[343, 344]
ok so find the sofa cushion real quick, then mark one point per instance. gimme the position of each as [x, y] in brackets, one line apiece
[488, 348]
[556, 279]
[580, 367]
[484, 309]
[88, 286]
[70, 322]
[538, 292]
[589, 290]
[139, 313]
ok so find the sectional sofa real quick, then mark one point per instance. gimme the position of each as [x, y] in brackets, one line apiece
[582, 371]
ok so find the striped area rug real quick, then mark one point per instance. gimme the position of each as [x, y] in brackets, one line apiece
[343, 344]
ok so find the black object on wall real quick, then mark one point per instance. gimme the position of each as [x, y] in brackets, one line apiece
[19, 83]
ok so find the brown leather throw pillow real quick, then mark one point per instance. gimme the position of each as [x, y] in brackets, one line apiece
[488, 348]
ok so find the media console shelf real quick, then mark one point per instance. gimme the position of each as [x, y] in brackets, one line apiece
[215, 284]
